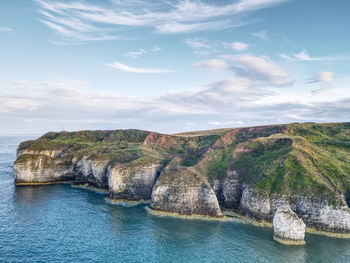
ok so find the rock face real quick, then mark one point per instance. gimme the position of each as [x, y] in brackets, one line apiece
[314, 211]
[255, 204]
[288, 227]
[323, 216]
[132, 183]
[253, 171]
[183, 191]
[92, 172]
[41, 169]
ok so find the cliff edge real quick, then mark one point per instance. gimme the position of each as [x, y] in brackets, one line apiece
[252, 171]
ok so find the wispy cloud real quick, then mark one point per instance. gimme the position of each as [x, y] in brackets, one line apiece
[141, 52]
[212, 64]
[218, 123]
[263, 35]
[258, 69]
[304, 56]
[122, 67]
[82, 20]
[261, 68]
[325, 78]
[71, 104]
[237, 46]
[197, 42]
[5, 29]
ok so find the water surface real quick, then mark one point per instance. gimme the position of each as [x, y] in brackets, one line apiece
[58, 223]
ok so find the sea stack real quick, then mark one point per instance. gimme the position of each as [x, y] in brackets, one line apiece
[288, 227]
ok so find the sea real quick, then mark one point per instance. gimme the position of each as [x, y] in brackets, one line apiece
[59, 223]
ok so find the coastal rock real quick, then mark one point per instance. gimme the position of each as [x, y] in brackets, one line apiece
[38, 168]
[227, 190]
[252, 170]
[92, 172]
[184, 191]
[319, 214]
[132, 182]
[255, 203]
[231, 190]
[288, 227]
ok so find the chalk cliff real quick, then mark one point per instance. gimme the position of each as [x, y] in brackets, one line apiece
[288, 227]
[252, 171]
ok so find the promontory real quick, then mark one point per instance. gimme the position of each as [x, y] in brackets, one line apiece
[300, 170]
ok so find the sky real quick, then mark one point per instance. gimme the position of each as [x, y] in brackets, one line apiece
[172, 65]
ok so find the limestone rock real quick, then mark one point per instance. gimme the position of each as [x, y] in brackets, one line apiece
[255, 203]
[288, 227]
[38, 168]
[319, 214]
[182, 190]
[132, 182]
[92, 172]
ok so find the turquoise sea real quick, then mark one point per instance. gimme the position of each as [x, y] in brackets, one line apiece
[58, 223]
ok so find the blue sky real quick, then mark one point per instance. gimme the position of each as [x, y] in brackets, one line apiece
[172, 65]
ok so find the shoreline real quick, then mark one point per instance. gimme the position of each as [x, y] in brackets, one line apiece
[125, 202]
[228, 215]
[264, 223]
[289, 241]
[44, 183]
[190, 217]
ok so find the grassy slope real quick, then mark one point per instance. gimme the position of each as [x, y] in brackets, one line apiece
[291, 159]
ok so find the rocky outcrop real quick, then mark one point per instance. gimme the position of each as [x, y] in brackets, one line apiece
[255, 203]
[316, 212]
[40, 168]
[288, 227]
[319, 214]
[252, 171]
[184, 191]
[228, 190]
[132, 182]
[91, 172]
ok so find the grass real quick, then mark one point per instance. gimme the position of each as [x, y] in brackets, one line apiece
[292, 159]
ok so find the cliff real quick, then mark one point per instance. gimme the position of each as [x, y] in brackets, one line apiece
[253, 171]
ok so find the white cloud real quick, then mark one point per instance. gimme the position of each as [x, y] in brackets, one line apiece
[197, 42]
[92, 21]
[212, 64]
[239, 46]
[40, 106]
[214, 123]
[122, 67]
[141, 51]
[304, 56]
[217, 123]
[258, 69]
[263, 35]
[325, 78]
[5, 29]
[136, 54]
[261, 69]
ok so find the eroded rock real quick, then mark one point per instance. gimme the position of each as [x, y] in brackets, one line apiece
[182, 190]
[132, 182]
[288, 227]
[38, 168]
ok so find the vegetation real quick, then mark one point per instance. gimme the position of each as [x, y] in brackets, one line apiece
[287, 159]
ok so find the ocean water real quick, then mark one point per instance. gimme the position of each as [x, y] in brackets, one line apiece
[58, 223]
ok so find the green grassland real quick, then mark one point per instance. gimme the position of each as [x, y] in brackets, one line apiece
[306, 158]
